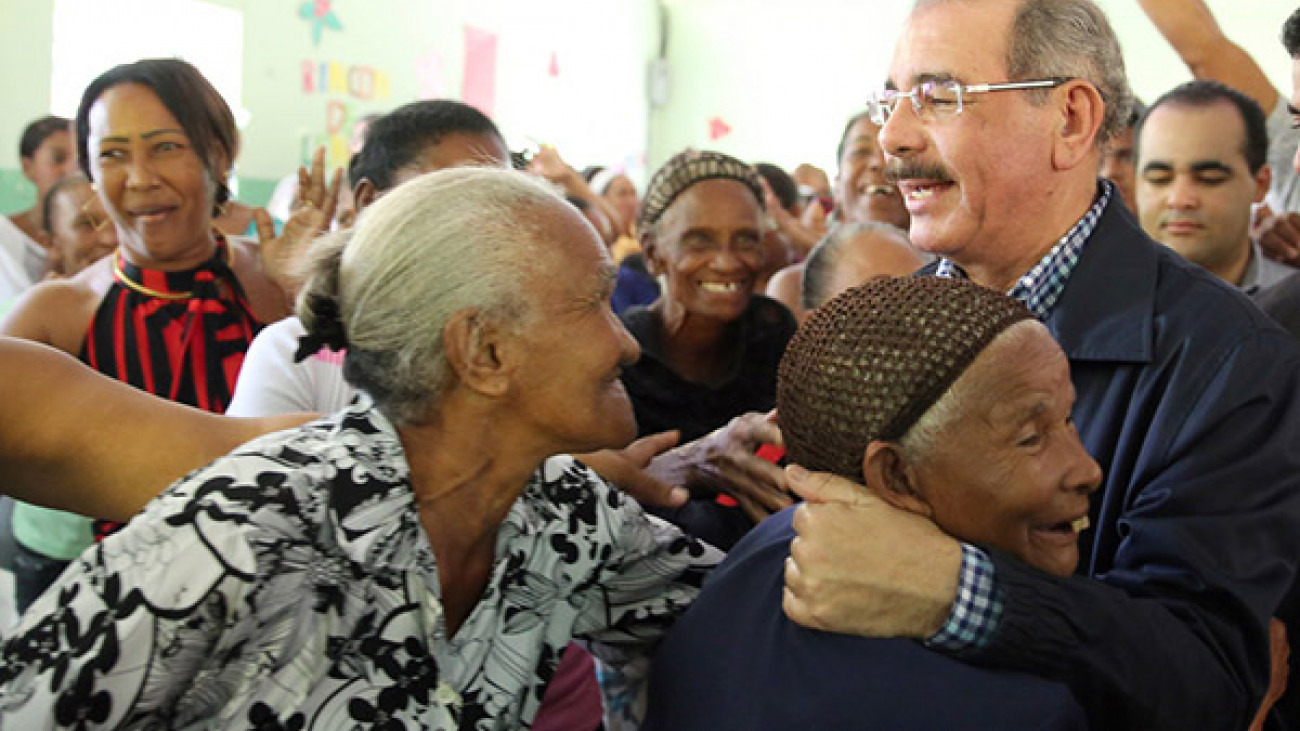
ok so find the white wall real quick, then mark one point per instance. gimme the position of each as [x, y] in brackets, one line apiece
[590, 103]
[785, 75]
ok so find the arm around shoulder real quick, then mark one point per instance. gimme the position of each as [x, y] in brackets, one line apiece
[1198, 534]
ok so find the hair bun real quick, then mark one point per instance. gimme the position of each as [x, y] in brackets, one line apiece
[325, 329]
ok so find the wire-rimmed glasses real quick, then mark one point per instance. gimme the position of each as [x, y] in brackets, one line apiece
[943, 99]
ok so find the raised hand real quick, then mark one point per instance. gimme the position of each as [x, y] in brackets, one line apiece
[312, 213]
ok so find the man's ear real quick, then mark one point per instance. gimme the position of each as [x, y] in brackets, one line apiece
[363, 194]
[1082, 114]
[891, 478]
[1263, 180]
[474, 350]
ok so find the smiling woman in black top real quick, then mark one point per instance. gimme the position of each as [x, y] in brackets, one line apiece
[710, 348]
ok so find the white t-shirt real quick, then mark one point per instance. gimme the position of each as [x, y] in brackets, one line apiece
[22, 260]
[271, 383]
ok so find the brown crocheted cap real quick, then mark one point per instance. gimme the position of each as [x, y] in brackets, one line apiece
[870, 362]
[686, 169]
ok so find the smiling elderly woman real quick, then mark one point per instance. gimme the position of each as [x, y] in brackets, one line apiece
[710, 347]
[951, 402]
[418, 560]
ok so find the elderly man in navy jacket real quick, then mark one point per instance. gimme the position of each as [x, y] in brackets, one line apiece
[1188, 396]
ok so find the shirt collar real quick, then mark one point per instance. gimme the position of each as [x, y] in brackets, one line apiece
[1041, 286]
[371, 506]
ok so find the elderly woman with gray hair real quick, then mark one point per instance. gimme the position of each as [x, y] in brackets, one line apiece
[417, 560]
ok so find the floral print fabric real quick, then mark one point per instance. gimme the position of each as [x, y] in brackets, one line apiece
[290, 585]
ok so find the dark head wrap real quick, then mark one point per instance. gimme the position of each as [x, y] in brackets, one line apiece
[686, 169]
[870, 362]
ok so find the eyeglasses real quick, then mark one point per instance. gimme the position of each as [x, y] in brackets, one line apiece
[943, 99]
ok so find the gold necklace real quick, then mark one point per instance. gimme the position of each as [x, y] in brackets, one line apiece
[120, 276]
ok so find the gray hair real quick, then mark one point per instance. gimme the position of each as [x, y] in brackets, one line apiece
[1072, 39]
[920, 441]
[821, 260]
[453, 240]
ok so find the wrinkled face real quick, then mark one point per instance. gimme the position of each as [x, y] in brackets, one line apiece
[1195, 189]
[1008, 471]
[972, 182]
[622, 195]
[576, 347]
[870, 256]
[861, 191]
[153, 185]
[709, 246]
[1119, 167]
[80, 233]
[55, 159]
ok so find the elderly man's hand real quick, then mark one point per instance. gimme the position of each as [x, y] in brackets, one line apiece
[723, 461]
[860, 566]
[626, 468]
[1278, 234]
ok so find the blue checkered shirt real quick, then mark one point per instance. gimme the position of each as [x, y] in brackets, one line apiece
[978, 609]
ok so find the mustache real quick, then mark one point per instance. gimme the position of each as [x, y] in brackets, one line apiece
[898, 170]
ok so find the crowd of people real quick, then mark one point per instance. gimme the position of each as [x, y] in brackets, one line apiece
[998, 426]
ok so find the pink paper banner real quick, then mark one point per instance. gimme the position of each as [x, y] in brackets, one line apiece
[480, 87]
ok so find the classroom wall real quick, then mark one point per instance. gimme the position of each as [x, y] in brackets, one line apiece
[761, 79]
[555, 81]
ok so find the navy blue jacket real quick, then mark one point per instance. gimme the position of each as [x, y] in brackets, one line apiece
[1188, 398]
[734, 661]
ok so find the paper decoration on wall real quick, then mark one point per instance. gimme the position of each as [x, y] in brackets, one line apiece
[718, 129]
[554, 67]
[348, 93]
[321, 16]
[480, 85]
[428, 76]
[365, 83]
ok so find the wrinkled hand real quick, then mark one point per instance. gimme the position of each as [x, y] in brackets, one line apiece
[861, 566]
[312, 213]
[1278, 234]
[626, 469]
[723, 461]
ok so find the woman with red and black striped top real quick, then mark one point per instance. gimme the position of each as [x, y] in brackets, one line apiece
[173, 310]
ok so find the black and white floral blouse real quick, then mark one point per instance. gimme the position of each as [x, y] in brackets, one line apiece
[290, 585]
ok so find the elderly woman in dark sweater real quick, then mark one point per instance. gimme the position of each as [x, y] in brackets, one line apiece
[710, 348]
